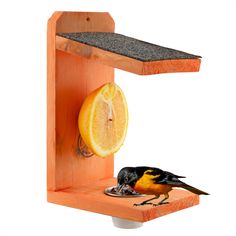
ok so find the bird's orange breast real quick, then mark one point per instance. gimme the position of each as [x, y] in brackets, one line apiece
[147, 185]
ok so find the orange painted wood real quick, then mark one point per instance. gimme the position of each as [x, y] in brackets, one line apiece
[124, 62]
[92, 198]
[171, 66]
[69, 79]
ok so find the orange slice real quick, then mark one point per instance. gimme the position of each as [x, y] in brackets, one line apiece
[103, 120]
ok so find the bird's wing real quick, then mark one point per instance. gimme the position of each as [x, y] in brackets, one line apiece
[177, 176]
[160, 176]
[166, 177]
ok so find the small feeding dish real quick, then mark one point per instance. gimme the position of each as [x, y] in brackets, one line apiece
[126, 191]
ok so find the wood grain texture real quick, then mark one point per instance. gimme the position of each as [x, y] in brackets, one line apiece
[92, 198]
[69, 80]
[124, 62]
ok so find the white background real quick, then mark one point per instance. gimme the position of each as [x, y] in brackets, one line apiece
[184, 123]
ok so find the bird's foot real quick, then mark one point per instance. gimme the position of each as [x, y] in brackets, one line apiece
[159, 203]
[142, 204]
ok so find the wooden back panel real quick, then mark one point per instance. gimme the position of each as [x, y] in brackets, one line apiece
[69, 79]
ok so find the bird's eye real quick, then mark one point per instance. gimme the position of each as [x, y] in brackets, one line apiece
[126, 179]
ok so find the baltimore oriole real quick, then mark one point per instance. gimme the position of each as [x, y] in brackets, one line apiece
[152, 181]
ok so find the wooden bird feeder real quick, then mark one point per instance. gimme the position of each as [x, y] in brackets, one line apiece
[79, 59]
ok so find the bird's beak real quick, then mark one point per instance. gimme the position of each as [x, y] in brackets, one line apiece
[120, 187]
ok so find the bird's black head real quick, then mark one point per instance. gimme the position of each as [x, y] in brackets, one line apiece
[127, 176]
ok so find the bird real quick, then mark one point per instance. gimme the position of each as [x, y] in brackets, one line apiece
[152, 181]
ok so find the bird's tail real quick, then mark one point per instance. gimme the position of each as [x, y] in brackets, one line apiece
[193, 190]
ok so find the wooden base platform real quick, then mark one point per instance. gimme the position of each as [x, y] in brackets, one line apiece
[92, 198]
